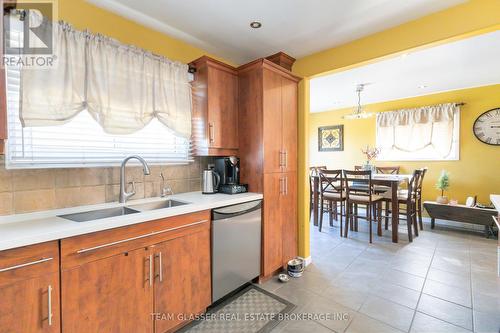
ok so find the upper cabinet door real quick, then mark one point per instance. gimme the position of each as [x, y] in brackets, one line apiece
[289, 123]
[222, 109]
[272, 119]
[182, 278]
[109, 295]
[215, 108]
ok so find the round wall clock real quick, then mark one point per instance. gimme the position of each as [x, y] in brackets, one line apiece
[487, 127]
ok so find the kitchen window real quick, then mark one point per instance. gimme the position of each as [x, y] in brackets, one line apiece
[82, 141]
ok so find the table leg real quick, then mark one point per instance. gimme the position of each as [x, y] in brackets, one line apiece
[395, 211]
[315, 200]
[433, 222]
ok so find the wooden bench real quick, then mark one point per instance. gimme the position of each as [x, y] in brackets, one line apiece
[461, 213]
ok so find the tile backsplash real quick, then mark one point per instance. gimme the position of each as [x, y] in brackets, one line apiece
[23, 191]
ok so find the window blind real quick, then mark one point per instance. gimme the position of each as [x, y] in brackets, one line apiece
[82, 142]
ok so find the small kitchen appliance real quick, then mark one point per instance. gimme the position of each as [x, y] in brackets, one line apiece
[211, 181]
[229, 170]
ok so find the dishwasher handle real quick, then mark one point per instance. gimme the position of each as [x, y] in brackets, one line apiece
[236, 210]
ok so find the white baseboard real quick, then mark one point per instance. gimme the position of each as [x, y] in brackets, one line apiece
[307, 261]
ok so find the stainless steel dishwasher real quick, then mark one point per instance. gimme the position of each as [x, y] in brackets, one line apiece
[236, 246]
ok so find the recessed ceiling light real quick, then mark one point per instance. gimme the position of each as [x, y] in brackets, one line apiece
[422, 86]
[404, 55]
[255, 24]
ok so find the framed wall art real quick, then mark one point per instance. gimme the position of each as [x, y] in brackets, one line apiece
[331, 138]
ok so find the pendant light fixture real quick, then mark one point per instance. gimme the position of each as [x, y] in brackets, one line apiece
[359, 112]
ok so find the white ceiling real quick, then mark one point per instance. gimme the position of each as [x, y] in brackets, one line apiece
[467, 63]
[297, 27]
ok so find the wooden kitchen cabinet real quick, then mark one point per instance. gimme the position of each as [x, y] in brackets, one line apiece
[280, 122]
[117, 280]
[183, 285]
[280, 216]
[29, 289]
[215, 108]
[113, 294]
[288, 208]
[272, 228]
[268, 154]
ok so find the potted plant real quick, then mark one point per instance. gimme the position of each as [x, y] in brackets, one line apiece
[443, 183]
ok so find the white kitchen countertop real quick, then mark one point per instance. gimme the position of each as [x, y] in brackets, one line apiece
[32, 228]
[495, 200]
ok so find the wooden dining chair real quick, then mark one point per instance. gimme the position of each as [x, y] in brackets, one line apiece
[388, 170]
[332, 191]
[313, 171]
[407, 198]
[419, 196]
[354, 198]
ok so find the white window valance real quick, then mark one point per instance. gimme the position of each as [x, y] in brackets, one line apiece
[121, 86]
[426, 133]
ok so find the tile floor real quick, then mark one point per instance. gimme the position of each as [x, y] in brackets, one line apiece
[445, 281]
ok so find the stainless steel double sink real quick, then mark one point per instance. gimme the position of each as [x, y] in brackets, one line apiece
[121, 211]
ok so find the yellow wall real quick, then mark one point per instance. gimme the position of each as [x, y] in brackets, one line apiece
[477, 171]
[83, 15]
[470, 18]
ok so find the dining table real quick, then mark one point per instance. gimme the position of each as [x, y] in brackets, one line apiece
[391, 181]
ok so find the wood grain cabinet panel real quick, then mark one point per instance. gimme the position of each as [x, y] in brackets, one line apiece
[273, 118]
[289, 123]
[215, 108]
[109, 295]
[272, 249]
[137, 278]
[27, 304]
[268, 96]
[288, 207]
[182, 286]
[29, 289]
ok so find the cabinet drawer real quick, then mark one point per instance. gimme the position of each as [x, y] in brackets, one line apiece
[86, 248]
[28, 261]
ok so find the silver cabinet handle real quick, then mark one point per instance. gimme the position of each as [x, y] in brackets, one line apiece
[285, 163]
[49, 304]
[24, 265]
[286, 185]
[281, 158]
[160, 263]
[138, 237]
[282, 186]
[211, 132]
[150, 264]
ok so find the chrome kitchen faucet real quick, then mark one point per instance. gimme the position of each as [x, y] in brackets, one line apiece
[124, 195]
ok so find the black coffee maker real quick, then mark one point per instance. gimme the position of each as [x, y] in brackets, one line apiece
[228, 169]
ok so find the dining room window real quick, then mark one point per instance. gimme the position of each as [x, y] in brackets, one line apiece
[428, 133]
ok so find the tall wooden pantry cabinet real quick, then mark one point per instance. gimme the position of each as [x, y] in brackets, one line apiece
[268, 154]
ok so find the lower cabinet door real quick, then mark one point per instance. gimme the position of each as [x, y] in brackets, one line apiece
[288, 205]
[272, 249]
[31, 305]
[182, 287]
[109, 295]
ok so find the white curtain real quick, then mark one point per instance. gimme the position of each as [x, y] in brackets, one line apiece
[172, 97]
[122, 87]
[54, 95]
[429, 128]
